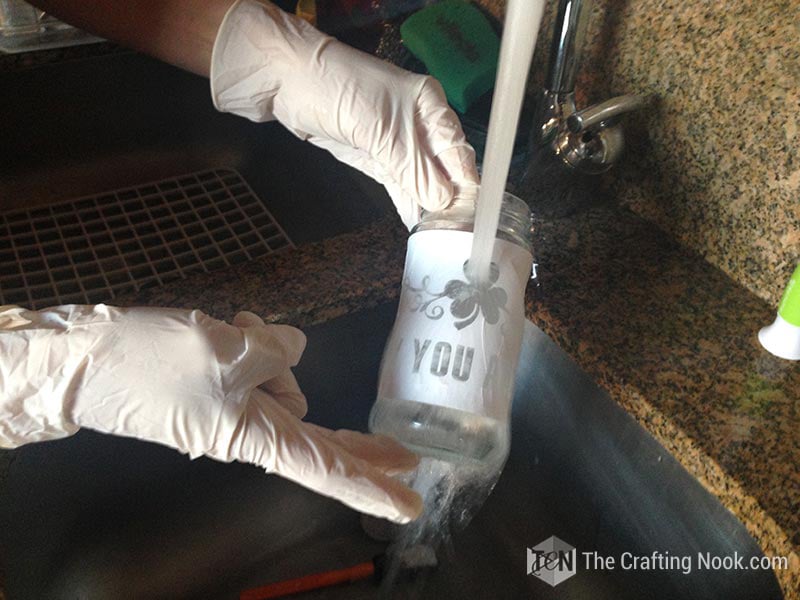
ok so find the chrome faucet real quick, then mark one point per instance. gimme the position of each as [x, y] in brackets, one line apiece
[589, 140]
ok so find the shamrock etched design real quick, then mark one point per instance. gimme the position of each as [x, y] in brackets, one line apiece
[469, 298]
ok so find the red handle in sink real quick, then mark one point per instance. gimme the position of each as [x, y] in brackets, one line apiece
[281, 589]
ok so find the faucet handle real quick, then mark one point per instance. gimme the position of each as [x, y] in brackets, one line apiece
[601, 115]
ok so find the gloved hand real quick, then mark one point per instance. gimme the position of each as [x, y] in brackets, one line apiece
[191, 382]
[393, 125]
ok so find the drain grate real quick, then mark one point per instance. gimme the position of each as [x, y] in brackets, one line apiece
[90, 249]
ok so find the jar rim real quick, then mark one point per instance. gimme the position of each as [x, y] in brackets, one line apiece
[515, 223]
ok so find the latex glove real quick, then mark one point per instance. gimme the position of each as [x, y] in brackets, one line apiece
[191, 382]
[393, 125]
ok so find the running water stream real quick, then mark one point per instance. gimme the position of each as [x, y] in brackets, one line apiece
[454, 486]
[516, 51]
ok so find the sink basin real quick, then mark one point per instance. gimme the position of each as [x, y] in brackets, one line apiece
[95, 516]
[125, 119]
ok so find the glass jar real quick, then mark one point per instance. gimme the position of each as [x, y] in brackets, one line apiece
[447, 375]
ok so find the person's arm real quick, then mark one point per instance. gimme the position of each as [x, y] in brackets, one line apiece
[196, 384]
[265, 64]
[179, 32]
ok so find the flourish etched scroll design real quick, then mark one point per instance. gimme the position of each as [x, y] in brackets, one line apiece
[468, 298]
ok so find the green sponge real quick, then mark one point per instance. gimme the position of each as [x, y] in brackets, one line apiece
[458, 46]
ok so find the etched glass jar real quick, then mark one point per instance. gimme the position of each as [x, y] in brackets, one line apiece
[447, 375]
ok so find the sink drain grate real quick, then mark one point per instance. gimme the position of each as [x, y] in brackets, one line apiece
[91, 249]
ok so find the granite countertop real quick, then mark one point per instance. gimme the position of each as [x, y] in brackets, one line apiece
[670, 337]
[54, 56]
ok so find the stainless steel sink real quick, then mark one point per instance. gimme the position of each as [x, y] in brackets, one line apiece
[97, 124]
[94, 516]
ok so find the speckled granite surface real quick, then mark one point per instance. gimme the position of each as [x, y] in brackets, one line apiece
[715, 158]
[26, 60]
[672, 338]
[314, 283]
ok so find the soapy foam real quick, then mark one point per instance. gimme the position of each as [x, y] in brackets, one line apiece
[452, 493]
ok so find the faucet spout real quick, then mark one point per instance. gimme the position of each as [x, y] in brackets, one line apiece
[589, 140]
[565, 49]
[603, 114]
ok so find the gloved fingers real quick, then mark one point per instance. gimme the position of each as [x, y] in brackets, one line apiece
[407, 206]
[459, 164]
[284, 390]
[289, 337]
[381, 451]
[293, 449]
[281, 386]
[412, 165]
[441, 128]
[245, 318]
[442, 146]
[268, 351]
[315, 462]
[15, 317]
[430, 161]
